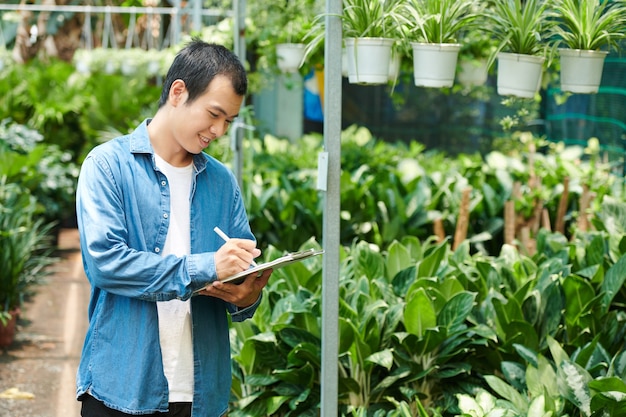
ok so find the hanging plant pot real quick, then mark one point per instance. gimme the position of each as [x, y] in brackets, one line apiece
[7, 331]
[519, 75]
[434, 64]
[289, 56]
[581, 70]
[368, 60]
[472, 72]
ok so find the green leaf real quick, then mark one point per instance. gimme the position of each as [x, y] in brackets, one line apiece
[529, 355]
[403, 281]
[428, 266]
[608, 384]
[537, 407]
[419, 313]
[453, 314]
[542, 379]
[613, 282]
[507, 392]
[515, 374]
[398, 259]
[556, 350]
[573, 380]
[469, 405]
[383, 358]
[579, 294]
[347, 332]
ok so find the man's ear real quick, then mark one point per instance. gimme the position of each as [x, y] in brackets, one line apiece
[178, 93]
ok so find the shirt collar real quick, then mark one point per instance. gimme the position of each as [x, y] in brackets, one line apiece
[140, 143]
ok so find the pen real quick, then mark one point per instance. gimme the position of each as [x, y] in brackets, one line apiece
[224, 236]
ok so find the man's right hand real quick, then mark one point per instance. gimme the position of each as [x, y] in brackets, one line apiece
[234, 256]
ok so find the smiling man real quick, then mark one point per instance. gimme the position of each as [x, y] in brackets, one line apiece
[147, 204]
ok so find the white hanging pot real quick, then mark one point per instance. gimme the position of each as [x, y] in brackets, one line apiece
[368, 60]
[472, 72]
[519, 75]
[434, 64]
[581, 70]
[290, 56]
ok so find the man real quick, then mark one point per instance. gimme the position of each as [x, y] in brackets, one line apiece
[147, 204]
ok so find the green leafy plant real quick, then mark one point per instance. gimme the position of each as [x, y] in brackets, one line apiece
[521, 27]
[272, 23]
[25, 243]
[439, 21]
[370, 18]
[47, 172]
[590, 24]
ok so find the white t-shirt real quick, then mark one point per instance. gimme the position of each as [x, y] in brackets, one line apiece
[175, 315]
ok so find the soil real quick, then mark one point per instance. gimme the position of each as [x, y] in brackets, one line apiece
[37, 372]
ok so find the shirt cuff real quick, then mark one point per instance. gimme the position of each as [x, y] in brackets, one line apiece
[240, 314]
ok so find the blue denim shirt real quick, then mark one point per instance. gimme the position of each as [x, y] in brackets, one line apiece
[123, 205]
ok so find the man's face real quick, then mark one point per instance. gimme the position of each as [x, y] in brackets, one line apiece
[208, 117]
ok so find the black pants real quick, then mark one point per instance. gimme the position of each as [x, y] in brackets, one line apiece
[94, 408]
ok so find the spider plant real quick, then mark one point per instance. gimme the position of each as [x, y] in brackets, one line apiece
[370, 18]
[438, 21]
[590, 24]
[522, 27]
[360, 19]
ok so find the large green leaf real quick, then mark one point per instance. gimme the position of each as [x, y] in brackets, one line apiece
[579, 294]
[419, 313]
[453, 314]
[398, 259]
[507, 392]
[613, 282]
[542, 379]
[428, 266]
[573, 383]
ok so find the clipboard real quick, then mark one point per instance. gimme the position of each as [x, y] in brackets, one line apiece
[285, 260]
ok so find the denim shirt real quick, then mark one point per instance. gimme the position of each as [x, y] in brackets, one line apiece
[123, 206]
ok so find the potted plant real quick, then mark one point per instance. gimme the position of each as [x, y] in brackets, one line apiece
[25, 243]
[588, 29]
[297, 17]
[277, 31]
[369, 32]
[431, 27]
[521, 28]
[477, 47]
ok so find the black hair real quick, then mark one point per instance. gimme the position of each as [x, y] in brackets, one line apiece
[198, 63]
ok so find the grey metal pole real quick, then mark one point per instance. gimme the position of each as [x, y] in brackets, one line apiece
[175, 22]
[331, 227]
[239, 46]
[197, 15]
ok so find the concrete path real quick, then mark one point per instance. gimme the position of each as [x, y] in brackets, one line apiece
[41, 363]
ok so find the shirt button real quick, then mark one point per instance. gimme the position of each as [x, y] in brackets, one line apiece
[165, 216]
[163, 183]
[157, 250]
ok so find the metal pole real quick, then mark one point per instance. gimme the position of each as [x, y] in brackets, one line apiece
[239, 46]
[331, 226]
[197, 15]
